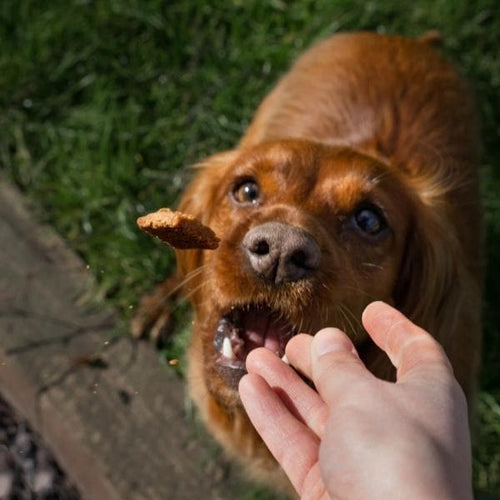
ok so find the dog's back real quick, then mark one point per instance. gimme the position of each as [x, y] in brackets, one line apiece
[387, 95]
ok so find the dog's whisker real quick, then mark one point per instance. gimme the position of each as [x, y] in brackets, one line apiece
[300, 328]
[194, 290]
[353, 322]
[356, 319]
[360, 291]
[346, 324]
[371, 264]
[189, 277]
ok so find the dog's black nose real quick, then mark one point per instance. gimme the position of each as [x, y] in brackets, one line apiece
[280, 252]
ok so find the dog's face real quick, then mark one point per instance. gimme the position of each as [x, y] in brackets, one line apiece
[310, 234]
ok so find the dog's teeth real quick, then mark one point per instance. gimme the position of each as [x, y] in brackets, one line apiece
[285, 359]
[227, 349]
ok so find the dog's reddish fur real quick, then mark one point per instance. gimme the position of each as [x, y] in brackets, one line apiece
[358, 116]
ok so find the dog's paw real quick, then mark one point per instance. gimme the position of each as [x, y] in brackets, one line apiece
[153, 318]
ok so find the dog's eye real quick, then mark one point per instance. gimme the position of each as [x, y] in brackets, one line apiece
[246, 192]
[369, 220]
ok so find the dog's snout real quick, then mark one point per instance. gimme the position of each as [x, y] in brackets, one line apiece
[279, 252]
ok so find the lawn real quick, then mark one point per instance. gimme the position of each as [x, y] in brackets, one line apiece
[104, 103]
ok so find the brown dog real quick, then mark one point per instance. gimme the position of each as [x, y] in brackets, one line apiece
[356, 181]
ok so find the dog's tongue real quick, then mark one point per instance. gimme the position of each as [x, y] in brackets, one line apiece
[264, 330]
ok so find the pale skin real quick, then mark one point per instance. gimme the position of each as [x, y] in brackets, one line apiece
[356, 436]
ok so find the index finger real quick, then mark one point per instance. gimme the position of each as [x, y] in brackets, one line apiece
[291, 442]
[408, 346]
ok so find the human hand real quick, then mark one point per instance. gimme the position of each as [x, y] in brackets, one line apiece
[357, 436]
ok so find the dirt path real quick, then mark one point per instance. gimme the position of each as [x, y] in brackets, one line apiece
[113, 415]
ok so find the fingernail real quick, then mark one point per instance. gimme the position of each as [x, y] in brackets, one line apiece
[329, 340]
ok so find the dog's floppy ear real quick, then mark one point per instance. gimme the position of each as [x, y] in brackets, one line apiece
[199, 200]
[439, 293]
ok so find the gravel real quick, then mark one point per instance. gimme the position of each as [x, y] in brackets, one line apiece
[28, 470]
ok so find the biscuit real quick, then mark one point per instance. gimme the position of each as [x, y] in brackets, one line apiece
[180, 230]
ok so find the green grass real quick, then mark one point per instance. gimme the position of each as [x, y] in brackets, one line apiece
[102, 104]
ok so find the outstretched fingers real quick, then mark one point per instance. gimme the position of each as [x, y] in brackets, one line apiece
[302, 401]
[282, 432]
[297, 352]
[335, 365]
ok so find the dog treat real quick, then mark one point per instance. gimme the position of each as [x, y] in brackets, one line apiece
[180, 230]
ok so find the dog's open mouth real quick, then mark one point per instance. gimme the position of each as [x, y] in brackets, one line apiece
[245, 328]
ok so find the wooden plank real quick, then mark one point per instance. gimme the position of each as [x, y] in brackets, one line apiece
[117, 425]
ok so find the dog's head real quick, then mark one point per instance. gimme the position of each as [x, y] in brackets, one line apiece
[310, 234]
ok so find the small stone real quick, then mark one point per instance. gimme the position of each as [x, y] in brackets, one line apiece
[6, 481]
[43, 481]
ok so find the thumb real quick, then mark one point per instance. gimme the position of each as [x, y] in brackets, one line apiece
[411, 349]
[335, 364]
